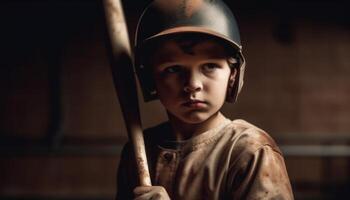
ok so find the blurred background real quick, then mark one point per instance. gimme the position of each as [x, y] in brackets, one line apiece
[61, 128]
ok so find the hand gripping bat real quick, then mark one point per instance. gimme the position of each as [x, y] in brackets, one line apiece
[124, 82]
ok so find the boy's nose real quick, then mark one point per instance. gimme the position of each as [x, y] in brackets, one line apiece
[193, 83]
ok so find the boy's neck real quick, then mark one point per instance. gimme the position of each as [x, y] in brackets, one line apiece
[184, 131]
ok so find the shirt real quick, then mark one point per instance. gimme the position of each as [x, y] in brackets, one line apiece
[235, 160]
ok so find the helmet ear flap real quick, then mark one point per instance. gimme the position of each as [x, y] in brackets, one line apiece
[235, 85]
[148, 87]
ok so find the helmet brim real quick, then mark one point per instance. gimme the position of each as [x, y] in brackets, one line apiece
[193, 29]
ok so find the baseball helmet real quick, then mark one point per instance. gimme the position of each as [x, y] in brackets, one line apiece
[163, 18]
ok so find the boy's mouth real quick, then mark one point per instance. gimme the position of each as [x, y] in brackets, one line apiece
[194, 103]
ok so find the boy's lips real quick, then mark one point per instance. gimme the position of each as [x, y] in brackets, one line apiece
[194, 103]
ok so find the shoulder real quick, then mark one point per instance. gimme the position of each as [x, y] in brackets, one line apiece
[245, 138]
[256, 165]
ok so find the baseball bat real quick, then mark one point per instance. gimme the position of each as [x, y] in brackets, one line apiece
[124, 83]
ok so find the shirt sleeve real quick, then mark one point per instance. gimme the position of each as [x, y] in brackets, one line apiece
[261, 174]
[125, 175]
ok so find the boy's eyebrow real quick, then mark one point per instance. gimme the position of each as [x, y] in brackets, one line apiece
[166, 64]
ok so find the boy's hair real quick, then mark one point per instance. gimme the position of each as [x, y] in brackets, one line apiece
[181, 20]
[186, 42]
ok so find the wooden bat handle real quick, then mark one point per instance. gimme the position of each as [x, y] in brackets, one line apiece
[124, 83]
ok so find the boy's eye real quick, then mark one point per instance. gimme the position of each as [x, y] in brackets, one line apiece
[209, 67]
[172, 69]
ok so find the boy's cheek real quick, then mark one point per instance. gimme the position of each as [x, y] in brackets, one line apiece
[168, 85]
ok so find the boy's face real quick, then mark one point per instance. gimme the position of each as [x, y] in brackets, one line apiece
[191, 79]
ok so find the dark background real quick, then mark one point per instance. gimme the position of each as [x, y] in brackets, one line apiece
[61, 129]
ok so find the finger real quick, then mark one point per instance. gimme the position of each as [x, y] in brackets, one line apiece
[142, 189]
[149, 196]
[146, 196]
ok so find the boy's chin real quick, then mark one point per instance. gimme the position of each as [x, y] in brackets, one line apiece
[195, 118]
[192, 117]
[193, 121]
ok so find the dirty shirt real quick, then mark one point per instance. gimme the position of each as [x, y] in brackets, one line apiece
[235, 160]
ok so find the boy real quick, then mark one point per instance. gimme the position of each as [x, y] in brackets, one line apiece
[188, 54]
